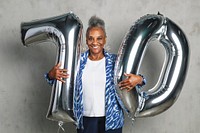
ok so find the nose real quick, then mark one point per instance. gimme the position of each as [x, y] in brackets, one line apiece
[95, 42]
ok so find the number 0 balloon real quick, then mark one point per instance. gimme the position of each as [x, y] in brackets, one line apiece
[65, 31]
[159, 98]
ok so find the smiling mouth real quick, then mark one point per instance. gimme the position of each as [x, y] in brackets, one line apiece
[95, 47]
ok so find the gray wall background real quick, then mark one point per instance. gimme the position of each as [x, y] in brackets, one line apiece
[24, 94]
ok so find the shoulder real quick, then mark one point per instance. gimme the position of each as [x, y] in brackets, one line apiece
[84, 55]
[110, 55]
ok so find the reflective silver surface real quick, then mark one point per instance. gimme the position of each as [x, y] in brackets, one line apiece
[130, 55]
[66, 33]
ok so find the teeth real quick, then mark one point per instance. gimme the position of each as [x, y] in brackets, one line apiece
[95, 46]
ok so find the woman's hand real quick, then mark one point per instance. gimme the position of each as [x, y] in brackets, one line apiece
[57, 73]
[131, 81]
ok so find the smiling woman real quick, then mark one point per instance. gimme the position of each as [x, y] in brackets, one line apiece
[97, 107]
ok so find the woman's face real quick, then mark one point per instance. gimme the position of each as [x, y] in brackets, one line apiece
[96, 40]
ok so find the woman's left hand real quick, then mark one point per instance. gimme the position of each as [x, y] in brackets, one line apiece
[131, 81]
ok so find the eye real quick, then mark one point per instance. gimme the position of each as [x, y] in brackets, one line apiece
[100, 38]
[90, 38]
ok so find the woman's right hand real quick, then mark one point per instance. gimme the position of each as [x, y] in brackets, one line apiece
[57, 73]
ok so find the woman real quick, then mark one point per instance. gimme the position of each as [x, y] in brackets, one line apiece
[97, 108]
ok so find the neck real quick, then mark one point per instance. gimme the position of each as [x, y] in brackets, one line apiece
[96, 57]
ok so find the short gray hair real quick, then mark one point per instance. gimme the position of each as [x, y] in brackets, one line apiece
[95, 21]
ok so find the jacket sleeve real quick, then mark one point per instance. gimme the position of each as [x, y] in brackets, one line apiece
[144, 81]
[49, 81]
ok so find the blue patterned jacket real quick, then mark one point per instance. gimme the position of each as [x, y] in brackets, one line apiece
[114, 113]
[114, 105]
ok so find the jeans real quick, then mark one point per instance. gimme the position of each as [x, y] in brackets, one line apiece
[96, 125]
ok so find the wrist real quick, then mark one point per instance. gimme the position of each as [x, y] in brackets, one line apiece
[49, 76]
[143, 80]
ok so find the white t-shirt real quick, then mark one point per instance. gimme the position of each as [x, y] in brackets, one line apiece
[94, 80]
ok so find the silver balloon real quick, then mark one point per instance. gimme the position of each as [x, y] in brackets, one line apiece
[130, 55]
[66, 32]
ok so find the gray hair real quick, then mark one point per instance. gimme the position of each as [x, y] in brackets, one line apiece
[95, 21]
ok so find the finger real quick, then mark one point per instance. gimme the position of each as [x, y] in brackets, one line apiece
[121, 88]
[127, 75]
[64, 70]
[58, 65]
[65, 76]
[62, 75]
[60, 79]
[131, 84]
[60, 72]
[129, 89]
[124, 85]
[124, 81]
[63, 81]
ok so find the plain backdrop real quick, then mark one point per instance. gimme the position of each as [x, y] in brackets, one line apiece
[25, 95]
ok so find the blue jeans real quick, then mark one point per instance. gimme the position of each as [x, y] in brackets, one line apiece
[96, 125]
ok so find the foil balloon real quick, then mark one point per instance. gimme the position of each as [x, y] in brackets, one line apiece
[65, 32]
[130, 55]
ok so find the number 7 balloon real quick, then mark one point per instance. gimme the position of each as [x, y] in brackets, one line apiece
[65, 32]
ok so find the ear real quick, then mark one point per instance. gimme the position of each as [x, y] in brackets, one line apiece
[105, 39]
[86, 41]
